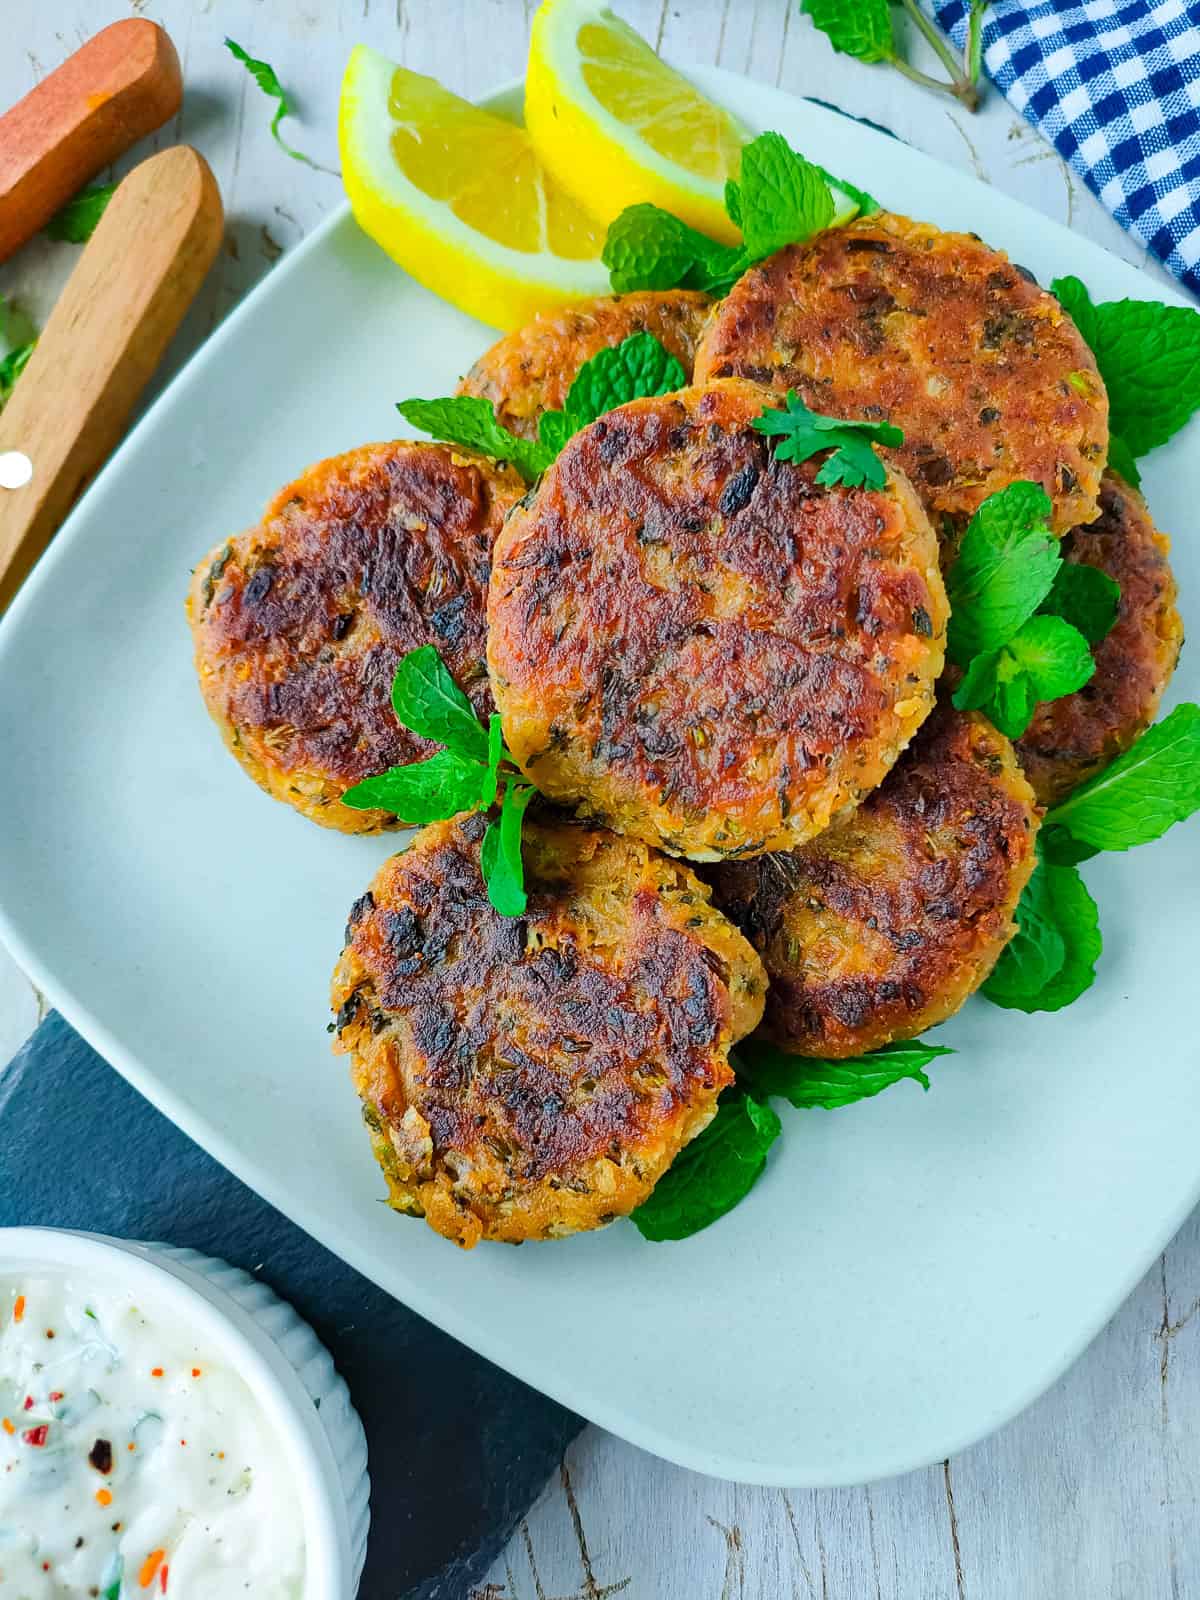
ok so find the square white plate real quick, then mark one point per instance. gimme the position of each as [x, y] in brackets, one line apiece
[907, 1275]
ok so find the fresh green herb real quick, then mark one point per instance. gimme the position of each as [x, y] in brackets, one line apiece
[1005, 568]
[803, 433]
[808, 1082]
[1045, 659]
[1052, 958]
[1149, 358]
[1121, 459]
[77, 220]
[465, 776]
[265, 77]
[1154, 784]
[114, 1572]
[18, 336]
[863, 29]
[1086, 598]
[779, 198]
[470, 421]
[714, 1172]
[636, 368]
[867, 204]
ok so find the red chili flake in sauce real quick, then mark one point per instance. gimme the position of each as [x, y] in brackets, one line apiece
[162, 1577]
[28, 1406]
[36, 1436]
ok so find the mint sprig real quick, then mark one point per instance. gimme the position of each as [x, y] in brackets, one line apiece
[1086, 598]
[18, 336]
[267, 79]
[637, 368]
[863, 29]
[807, 1082]
[1149, 357]
[1052, 958]
[76, 221]
[802, 433]
[465, 776]
[714, 1172]
[1045, 659]
[779, 198]
[1005, 568]
[1155, 784]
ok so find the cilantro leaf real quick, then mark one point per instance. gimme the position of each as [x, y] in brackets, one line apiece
[1121, 460]
[1052, 958]
[1149, 357]
[803, 433]
[1005, 568]
[500, 855]
[76, 221]
[470, 421]
[807, 1082]
[1086, 597]
[426, 699]
[779, 198]
[859, 28]
[1136, 799]
[423, 791]
[1045, 659]
[713, 1173]
[266, 78]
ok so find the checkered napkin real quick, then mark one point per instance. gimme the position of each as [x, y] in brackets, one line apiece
[1115, 84]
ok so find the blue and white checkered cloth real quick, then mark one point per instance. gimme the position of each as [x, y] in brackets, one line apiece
[1115, 84]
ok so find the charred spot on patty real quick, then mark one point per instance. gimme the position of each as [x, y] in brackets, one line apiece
[535, 1076]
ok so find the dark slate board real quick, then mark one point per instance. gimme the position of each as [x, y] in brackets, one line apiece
[458, 1449]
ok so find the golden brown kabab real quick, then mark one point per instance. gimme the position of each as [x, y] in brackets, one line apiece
[299, 623]
[1071, 739]
[530, 370]
[941, 335]
[885, 924]
[698, 644]
[530, 1077]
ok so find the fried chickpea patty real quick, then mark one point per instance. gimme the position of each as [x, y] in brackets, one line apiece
[698, 644]
[1071, 739]
[945, 337]
[299, 623]
[530, 370]
[885, 924]
[531, 1077]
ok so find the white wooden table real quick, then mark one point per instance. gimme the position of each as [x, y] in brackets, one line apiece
[1094, 1493]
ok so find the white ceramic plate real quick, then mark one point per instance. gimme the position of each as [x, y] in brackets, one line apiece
[907, 1275]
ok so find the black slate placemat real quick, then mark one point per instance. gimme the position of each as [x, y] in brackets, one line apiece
[458, 1449]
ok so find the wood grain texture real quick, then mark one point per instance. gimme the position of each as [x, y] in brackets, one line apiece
[1094, 1493]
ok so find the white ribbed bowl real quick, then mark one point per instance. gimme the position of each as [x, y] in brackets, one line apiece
[278, 1355]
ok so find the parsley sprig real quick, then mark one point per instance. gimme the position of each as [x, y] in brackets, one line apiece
[638, 367]
[1022, 631]
[803, 433]
[863, 29]
[779, 199]
[470, 774]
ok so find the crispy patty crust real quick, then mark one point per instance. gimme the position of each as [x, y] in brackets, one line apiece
[299, 623]
[525, 1078]
[885, 924]
[530, 370]
[1071, 739]
[985, 373]
[698, 644]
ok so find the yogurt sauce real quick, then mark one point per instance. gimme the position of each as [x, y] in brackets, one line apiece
[132, 1463]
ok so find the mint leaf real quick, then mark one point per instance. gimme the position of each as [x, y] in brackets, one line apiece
[1052, 959]
[1044, 660]
[1060, 849]
[496, 753]
[637, 367]
[426, 699]
[1136, 799]
[265, 77]
[423, 791]
[867, 204]
[1121, 460]
[18, 336]
[500, 855]
[1149, 357]
[649, 248]
[859, 28]
[470, 421]
[1086, 598]
[803, 433]
[713, 1173]
[779, 198]
[1005, 568]
[807, 1082]
[76, 221]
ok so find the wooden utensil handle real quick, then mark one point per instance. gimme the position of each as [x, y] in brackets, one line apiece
[115, 89]
[137, 276]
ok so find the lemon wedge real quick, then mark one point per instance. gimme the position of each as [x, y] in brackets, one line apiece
[460, 198]
[615, 125]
